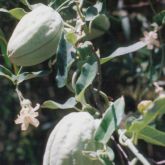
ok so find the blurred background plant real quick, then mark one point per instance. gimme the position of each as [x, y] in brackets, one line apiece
[132, 76]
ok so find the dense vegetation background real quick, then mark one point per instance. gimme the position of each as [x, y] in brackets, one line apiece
[131, 76]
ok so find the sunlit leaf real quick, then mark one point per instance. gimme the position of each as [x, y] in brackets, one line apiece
[99, 6]
[71, 37]
[70, 103]
[87, 76]
[87, 69]
[29, 75]
[123, 51]
[157, 109]
[18, 13]
[110, 121]
[152, 135]
[64, 62]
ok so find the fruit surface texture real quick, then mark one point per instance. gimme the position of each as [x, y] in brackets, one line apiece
[72, 135]
[36, 37]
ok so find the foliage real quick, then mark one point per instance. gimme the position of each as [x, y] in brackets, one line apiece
[101, 56]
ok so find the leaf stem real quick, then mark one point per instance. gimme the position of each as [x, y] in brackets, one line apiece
[19, 71]
[128, 142]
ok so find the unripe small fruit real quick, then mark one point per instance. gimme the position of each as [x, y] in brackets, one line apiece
[99, 26]
[36, 37]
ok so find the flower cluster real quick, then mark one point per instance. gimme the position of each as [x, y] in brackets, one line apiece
[151, 39]
[27, 115]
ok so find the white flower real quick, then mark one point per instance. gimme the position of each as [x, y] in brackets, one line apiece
[27, 115]
[150, 38]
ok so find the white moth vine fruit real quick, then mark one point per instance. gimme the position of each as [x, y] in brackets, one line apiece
[36, 37]
[72, 135]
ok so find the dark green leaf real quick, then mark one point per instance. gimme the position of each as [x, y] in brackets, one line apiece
[3, 46]
[123, 51]
[70, 103]
[158, 18]
[87, 69]
[5, 73]
[64, 62]
[110, 121]
[98, 26]
[90, 13]
[87, 75]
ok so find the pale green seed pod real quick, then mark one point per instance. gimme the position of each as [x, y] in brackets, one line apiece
[36, 37]
[70, 137]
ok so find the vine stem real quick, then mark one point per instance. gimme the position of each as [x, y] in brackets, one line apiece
[124, 140]
[20, 96]
[79, 11]
[152, 7]
[69, 26]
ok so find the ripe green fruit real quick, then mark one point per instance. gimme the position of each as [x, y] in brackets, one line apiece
[36, 37]
[72, 135]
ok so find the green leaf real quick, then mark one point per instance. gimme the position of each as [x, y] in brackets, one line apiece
[110, 121]
[90, 13]
[107, 156]
[152, 135]
[71, 37]
[18, 13]
[98, 26]
[99, 6]
[158, 18]
[123, 51]
[65, 60]
[70, 103]
[28, 75]
[87, 65]
[3, 46]
[153, 111]
[87, 76]
[5, 73]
